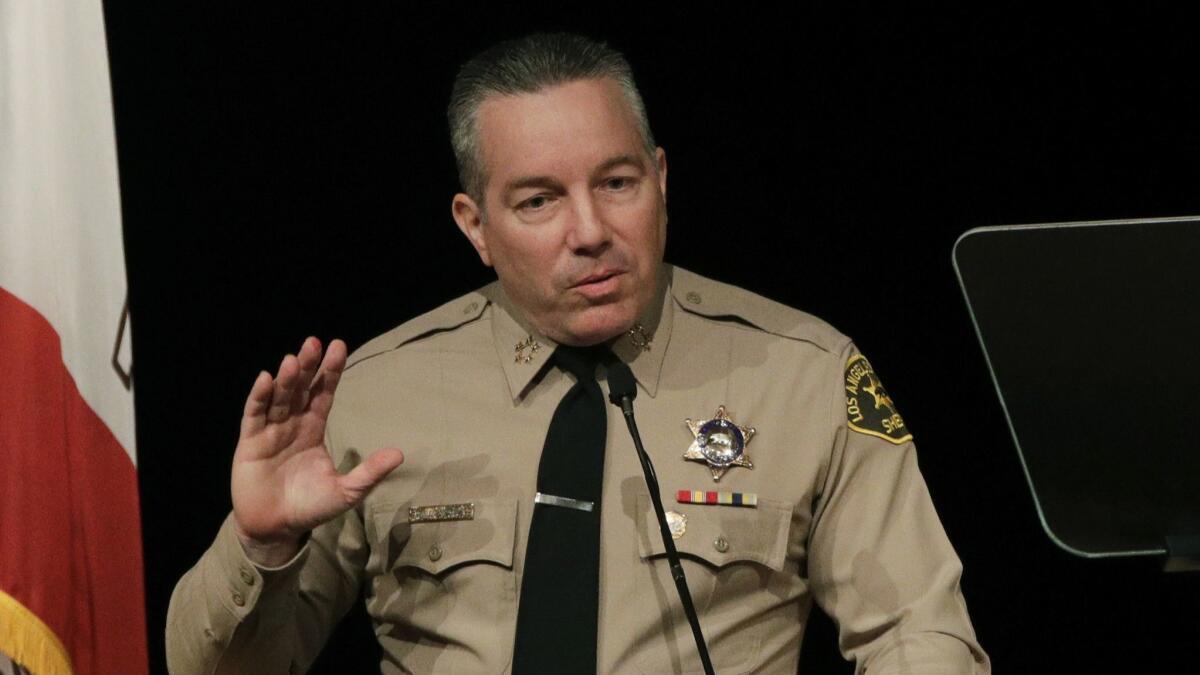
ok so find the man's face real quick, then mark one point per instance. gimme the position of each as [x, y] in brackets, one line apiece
[576, 210]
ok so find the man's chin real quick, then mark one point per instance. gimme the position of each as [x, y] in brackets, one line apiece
[596, 325]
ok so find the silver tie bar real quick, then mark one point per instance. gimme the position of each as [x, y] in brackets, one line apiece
[567, 502]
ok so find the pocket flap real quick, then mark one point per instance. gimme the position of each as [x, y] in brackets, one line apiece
[437, 546]
[721, 535]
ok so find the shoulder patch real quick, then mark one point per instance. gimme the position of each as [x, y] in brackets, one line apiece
[869, 409]
[458, 312]
[723, 302]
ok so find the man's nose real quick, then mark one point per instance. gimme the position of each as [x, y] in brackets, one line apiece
[589, 232]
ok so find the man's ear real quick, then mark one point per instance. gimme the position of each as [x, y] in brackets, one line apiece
[660, 162]
[469, 217]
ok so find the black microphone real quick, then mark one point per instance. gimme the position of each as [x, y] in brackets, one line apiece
[622, 389]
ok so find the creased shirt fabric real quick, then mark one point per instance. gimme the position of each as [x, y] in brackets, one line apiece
[842, 517]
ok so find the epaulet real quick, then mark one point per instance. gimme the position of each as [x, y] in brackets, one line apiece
[454, 314]
[721, 302]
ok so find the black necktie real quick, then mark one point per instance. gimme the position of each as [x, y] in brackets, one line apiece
[557, 616]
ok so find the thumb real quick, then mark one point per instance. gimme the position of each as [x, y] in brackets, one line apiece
[358, 483]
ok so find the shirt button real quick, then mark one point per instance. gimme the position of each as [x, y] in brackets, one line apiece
[247, 577]
[693, 297]
[238, 599]
[471, 308]
[435, 553]
[721, 544]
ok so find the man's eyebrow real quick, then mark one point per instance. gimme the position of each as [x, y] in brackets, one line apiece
[548, 183]
[619, 160]
[523, 182]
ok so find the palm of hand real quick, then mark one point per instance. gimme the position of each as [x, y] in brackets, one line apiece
[284, 482]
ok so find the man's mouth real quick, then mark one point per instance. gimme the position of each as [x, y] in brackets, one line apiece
[597, 286]
[597, 277]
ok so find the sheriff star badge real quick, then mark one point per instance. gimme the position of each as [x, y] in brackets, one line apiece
[720, 443]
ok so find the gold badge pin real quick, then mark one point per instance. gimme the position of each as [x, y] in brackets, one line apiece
[525, 349]
[720, 443]
[639, 337]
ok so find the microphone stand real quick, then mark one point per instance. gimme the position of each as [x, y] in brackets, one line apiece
[622, 390]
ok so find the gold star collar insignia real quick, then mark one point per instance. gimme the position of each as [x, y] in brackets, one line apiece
[525, 349]
[720, 443]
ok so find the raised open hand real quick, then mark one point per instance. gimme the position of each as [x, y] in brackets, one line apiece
[284, 483]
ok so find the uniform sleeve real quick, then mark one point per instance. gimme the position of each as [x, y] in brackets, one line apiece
[879, 561]
[228, 615]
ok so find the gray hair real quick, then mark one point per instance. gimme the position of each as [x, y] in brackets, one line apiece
[526, 66]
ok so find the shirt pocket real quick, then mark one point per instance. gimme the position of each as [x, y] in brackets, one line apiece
[436, 547]
[735, 560]
[446, 586]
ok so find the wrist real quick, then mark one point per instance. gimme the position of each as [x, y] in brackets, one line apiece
[270, 553]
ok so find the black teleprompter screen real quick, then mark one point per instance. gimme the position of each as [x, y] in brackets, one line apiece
[1092, 334]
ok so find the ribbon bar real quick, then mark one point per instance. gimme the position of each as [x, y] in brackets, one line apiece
[713, 497]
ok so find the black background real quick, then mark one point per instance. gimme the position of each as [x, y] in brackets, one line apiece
[286, 172]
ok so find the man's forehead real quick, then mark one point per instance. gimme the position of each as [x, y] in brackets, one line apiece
[562, 119]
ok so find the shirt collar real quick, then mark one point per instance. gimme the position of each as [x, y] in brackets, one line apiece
[524, 352]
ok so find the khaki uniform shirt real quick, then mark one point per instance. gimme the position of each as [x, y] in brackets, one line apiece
[843, 515]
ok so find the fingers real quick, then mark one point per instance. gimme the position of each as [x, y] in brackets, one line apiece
[358, 483]
[308, 357]
[254, 415]
[297, 381]
[285, 387]
[326, 381]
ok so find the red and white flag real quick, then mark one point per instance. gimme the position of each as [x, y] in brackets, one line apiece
[71, 592]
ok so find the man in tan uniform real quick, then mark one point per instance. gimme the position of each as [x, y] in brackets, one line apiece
[565, 195]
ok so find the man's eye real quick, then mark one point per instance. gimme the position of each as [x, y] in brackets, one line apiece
[617, 183]
[534, 203]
